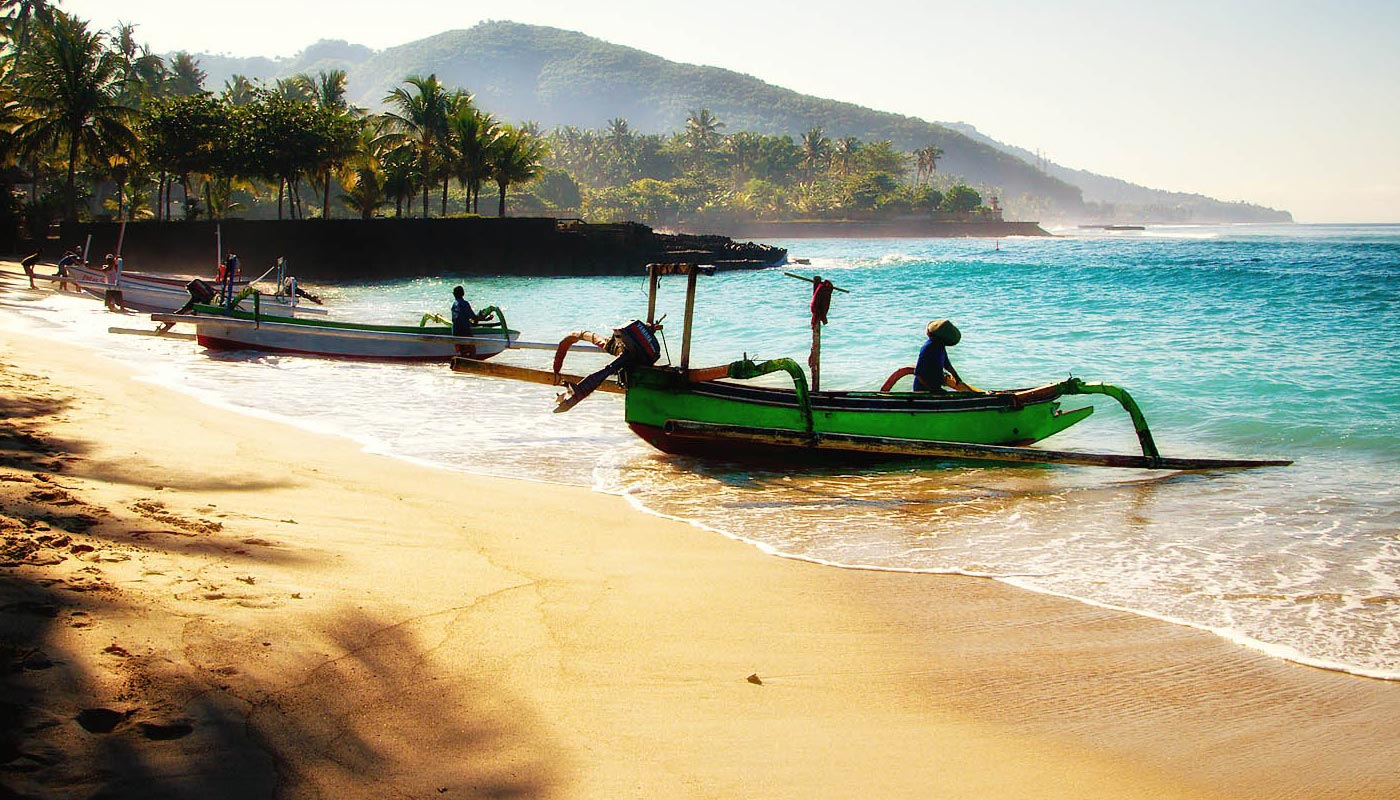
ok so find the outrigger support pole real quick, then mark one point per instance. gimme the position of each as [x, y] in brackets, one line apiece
[744, 370]
[1149, 447]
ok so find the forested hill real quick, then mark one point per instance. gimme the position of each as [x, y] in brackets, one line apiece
[557, 77]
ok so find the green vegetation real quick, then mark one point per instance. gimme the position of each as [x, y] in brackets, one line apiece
[136, 136]
[702, 174]
[93, 124]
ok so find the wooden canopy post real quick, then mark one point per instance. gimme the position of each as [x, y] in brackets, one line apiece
[691, 273]
[689, 318]
[653, 279]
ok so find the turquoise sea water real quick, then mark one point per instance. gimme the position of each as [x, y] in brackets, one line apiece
[1251, 341]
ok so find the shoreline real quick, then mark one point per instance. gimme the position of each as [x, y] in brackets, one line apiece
[562, 637]
[375, 448]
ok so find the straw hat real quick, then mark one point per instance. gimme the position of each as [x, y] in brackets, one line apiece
[944, 332]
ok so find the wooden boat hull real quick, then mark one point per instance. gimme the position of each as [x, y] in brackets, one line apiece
[216, 329]
[657, 398]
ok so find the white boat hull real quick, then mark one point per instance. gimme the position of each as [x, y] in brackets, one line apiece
[154, 294]
[276, 336]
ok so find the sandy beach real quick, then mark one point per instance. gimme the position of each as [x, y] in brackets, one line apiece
[201, 604]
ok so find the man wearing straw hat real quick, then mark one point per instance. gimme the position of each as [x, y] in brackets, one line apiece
[933, 370]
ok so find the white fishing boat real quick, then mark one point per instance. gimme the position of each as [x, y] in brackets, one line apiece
[163, 293]
[219, 328]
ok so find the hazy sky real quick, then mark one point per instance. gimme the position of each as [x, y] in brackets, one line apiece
[1289, 104]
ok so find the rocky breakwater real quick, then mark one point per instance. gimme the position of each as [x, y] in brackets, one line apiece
[329, 250]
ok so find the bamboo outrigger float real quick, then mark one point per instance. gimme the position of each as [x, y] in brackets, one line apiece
[710, 412]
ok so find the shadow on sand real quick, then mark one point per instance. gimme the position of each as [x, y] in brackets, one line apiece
[89, 708]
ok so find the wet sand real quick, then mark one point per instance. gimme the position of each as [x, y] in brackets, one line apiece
[195, 603]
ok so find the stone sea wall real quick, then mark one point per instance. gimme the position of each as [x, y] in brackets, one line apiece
[329, 250]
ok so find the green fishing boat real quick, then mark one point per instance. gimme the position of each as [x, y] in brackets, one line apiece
[719, 412]
[677, 414]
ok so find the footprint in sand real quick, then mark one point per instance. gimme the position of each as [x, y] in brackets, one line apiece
[53, 496]
[154, 509]
[101, 720]
[36, 660]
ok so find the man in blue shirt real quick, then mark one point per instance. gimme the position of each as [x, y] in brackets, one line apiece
[463, 317]
[933, 370]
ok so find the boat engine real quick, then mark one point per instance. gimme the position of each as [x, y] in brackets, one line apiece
[634, 344]
[200, 291]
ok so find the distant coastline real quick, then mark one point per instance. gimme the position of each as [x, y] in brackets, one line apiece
[873, 229]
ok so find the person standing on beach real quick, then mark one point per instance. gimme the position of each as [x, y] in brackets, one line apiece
[112, 297]
[28, 263]
[74, 255]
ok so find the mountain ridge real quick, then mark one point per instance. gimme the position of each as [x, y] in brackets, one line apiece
[559, 77]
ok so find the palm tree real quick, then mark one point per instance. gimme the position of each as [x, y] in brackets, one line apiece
[420, 121]
[472, 135]
[20, 15]
[622, 150]
[366, 189]
[184, 77]
[515, 159]
[239, 91]
[816, 152]
[142, 71]
[926, 161]
[298, 87]
[846, 149]
[400, 180]
[702, 131]
[328, 92]
[68, 85]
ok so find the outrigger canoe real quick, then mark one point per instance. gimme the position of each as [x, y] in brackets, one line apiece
[154, 294]
[716, 412]
[220, 328]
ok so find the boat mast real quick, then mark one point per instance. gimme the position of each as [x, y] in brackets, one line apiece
[814, 360]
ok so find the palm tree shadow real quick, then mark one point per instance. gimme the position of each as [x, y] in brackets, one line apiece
[390, 718]
[21, 446]
[56, 734]
[386, 717]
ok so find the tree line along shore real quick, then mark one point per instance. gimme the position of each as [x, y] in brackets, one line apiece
[98, 128]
